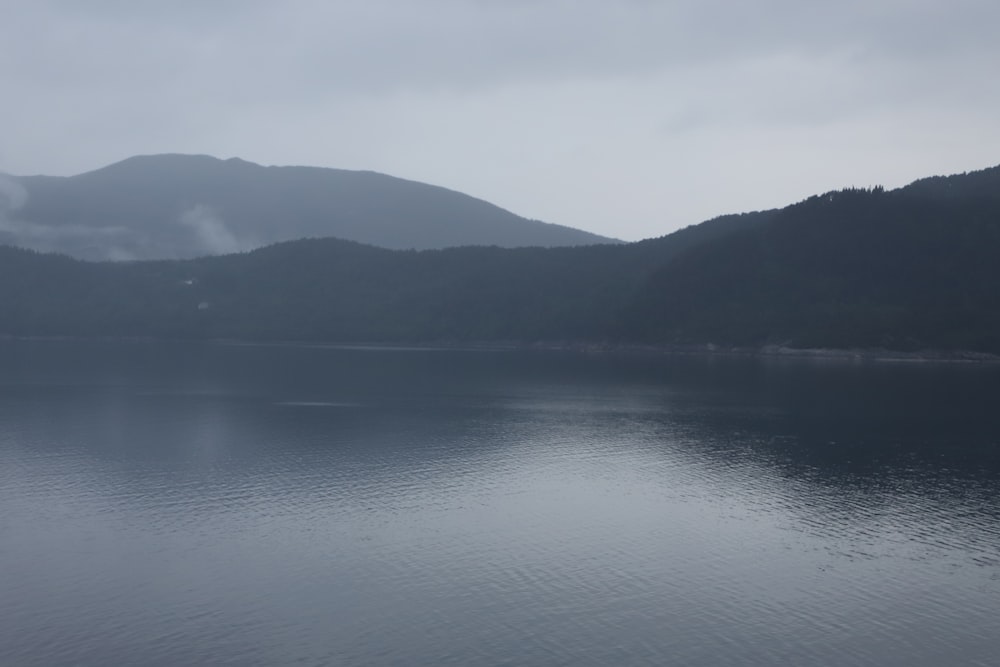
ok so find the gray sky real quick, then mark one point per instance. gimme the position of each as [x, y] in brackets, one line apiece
[629, 118]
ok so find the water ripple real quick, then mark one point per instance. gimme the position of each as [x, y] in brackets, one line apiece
[569, 519]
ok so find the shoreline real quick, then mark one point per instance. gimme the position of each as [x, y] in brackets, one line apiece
[786, 352]
[588, 347]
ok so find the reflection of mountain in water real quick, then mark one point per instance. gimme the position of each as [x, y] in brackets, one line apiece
[338, 506]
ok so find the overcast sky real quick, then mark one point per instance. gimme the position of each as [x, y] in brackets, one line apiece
[629, 118]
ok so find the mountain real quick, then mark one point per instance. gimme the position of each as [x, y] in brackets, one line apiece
[184, 206]
[905, 269]
[336, 290]
[909, 269]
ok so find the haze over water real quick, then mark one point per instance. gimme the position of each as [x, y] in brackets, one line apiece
[170, 504]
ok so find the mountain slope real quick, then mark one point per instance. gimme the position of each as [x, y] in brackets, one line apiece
[910, 269]
[181, 206]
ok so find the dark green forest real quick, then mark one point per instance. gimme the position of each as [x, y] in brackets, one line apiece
[910, 269]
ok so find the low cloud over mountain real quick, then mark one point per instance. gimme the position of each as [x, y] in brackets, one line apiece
[182, 206]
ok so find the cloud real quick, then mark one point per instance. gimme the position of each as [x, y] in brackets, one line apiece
[627, 118]
[13, 195]
[93, 242]
[116, 243]
[213, 236]
[98, 243]
[33, 232]
[312, 48]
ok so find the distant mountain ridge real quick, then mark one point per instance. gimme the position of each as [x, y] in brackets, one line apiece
[184, 206]
[909, 270]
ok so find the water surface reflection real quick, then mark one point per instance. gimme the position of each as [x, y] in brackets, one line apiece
[261, 505]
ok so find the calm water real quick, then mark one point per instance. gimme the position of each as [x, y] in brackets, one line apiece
[175, 504]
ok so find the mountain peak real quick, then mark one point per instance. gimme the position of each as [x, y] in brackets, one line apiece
[177, 205]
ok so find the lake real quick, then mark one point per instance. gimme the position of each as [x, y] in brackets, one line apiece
[210, 504]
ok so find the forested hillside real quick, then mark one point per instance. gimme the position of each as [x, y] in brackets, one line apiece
[912, 268]
[915, 268]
